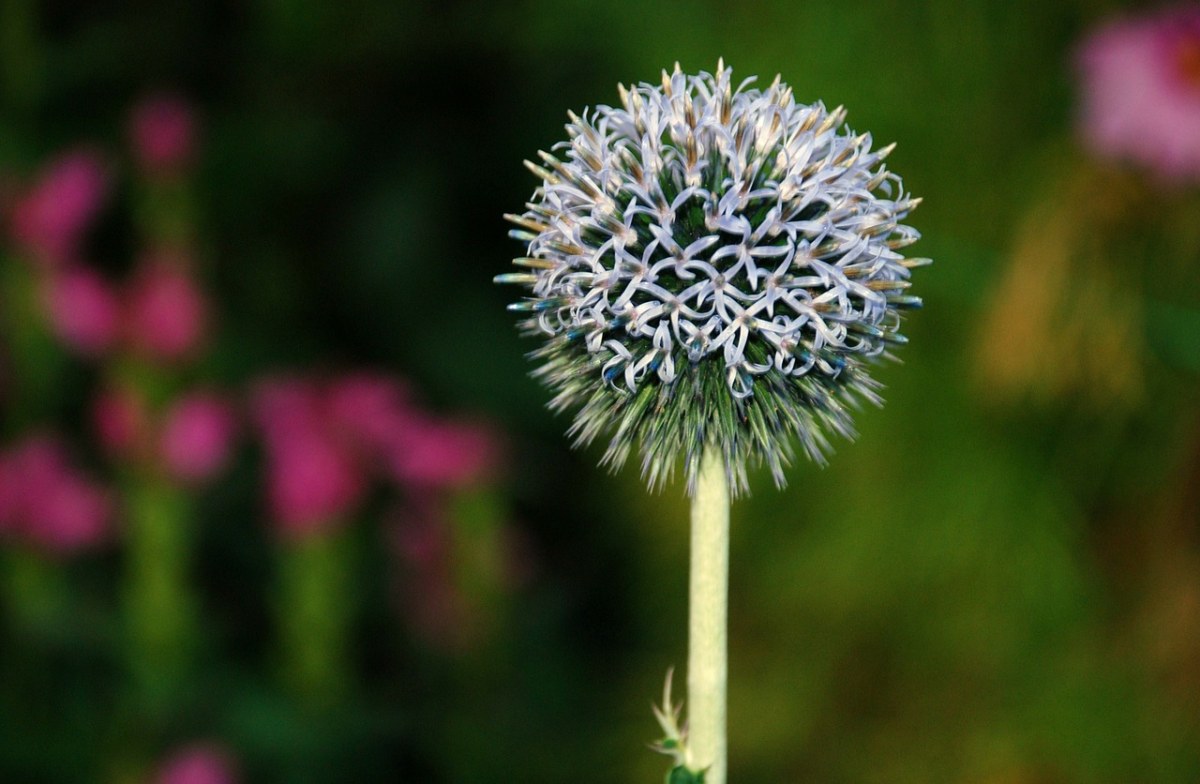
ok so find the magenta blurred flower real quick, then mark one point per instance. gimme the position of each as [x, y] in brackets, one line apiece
[448, 453]
[197, 764]
[50, 502]
[120, 421]
[314, 478]
[166, 312]
[1141, 91]
[51, 218]
[313, 482]
[162, 129]
[83, 309]
[370, 409]
[281, 406]
[197, 436]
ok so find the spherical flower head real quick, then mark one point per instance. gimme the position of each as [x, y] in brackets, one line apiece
[1141, 91]
[197, 437]
[711, 265]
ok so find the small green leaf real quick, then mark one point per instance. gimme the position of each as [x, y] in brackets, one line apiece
[681, 775]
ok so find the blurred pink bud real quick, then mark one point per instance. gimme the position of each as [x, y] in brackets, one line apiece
[197, 764]
[432, 453]
[53, 504]
[167, 313]
[120, 420]
[280, 406]
[162, 129]
[84, 310]
[1141, 91]
[369, 409]
[51, 218]
[312, 482]
[197, 436]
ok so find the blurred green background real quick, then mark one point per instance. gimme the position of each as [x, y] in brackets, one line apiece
[997, 583]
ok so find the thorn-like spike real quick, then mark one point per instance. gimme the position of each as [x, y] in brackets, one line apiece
[516, 278]
[532, 263]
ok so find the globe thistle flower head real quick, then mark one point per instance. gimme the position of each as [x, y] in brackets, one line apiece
[713, 265]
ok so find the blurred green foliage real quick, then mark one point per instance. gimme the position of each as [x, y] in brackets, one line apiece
[985, 588]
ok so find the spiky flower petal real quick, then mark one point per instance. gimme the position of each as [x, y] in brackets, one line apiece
[711, 264]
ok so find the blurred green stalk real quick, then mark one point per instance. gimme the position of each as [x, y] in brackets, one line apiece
[314, 606]
[160, 609]
[36, 591]
[37, 362]
[20, 57]
[708, 610]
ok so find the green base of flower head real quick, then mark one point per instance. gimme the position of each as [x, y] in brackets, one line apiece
[674, 422]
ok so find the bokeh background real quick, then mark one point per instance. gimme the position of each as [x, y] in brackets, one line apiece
[280, 503]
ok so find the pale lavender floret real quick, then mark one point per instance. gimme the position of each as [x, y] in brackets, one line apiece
[1141, 91]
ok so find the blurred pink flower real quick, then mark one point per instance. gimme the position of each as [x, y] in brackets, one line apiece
[120, 420]
[197, 764]
[448, 453]
[197, 436]
[51, 218]
[314, 478]
[50, 503]
[280, 406]
[313, 483]
[166, 312]
[162, 129]
[1141, 91]
[83, 309]
[370, 409]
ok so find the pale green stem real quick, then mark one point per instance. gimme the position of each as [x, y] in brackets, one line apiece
[707, 622]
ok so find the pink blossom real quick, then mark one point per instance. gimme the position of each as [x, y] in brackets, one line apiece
[84, 310]
[448, 453]
[281, 406]
[197, 764]
[162, 129]
[50, 502]
[1141, 91]
[314, 477]
[167, 313]
[370, 409]
[120, 420]
[51, 218]
[197, 436]
[313, 482]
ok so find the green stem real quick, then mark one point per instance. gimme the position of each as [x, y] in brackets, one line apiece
[315, 604]
[708, 619]
[158, 594]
